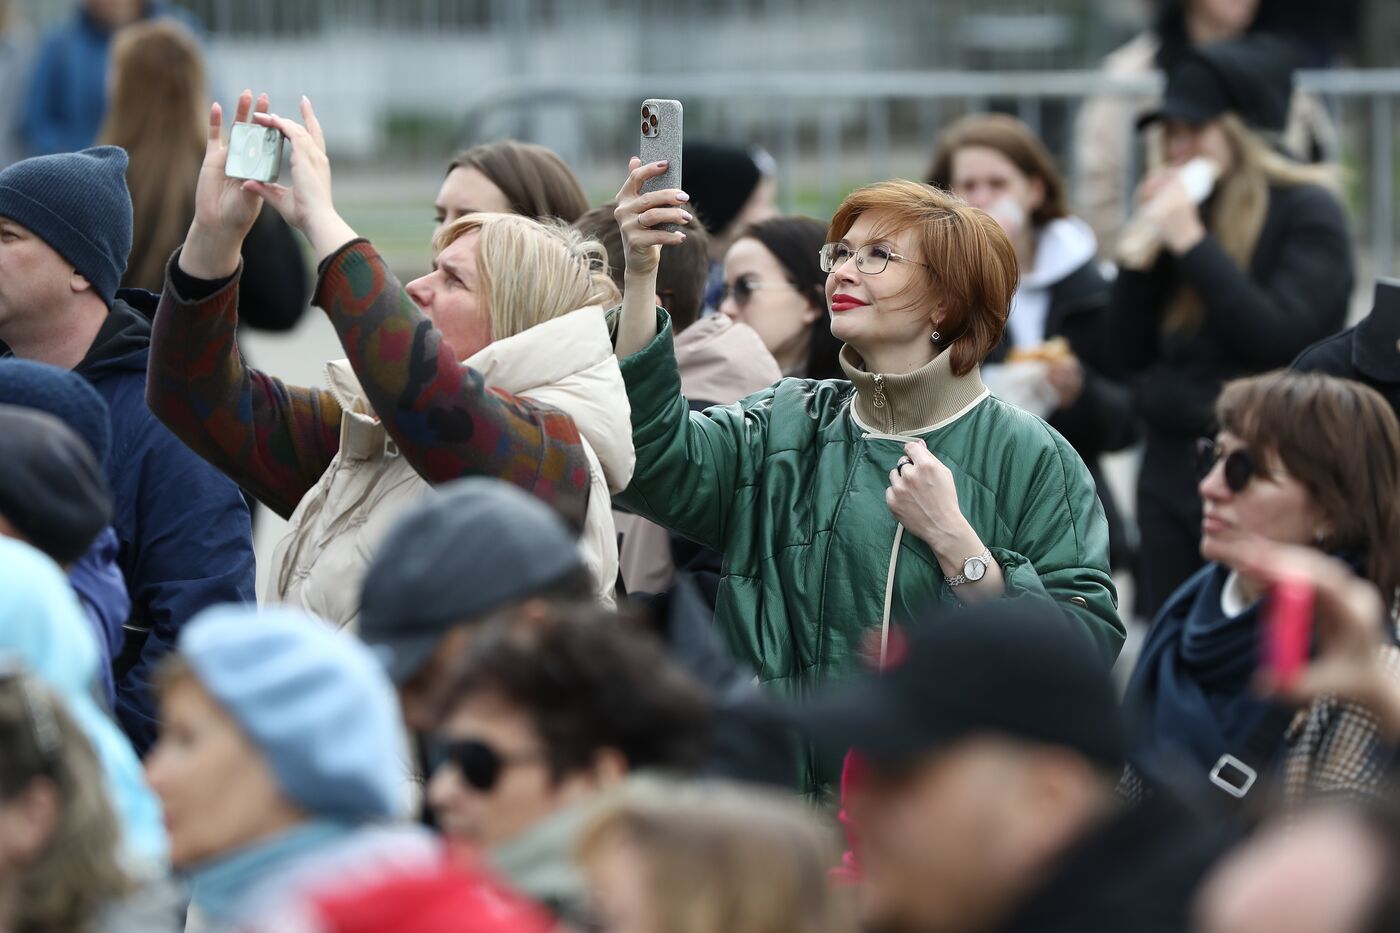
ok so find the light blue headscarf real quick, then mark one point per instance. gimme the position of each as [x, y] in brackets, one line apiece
[42, 624]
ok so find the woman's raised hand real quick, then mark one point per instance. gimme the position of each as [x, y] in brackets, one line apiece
[307, 204]
[639, 216]
[224, 211]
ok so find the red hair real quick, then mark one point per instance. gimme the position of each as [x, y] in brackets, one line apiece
[970, 270]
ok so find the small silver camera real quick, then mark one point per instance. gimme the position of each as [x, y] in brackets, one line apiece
[254, 152]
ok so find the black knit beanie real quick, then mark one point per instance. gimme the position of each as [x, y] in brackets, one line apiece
[720, 179]
[78, 203]
[51, 488]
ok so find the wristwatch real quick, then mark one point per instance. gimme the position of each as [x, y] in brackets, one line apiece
[974, 569]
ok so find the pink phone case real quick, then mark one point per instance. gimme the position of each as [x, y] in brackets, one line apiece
[1288, 630]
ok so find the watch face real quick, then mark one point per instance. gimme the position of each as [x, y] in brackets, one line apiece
[974, 569]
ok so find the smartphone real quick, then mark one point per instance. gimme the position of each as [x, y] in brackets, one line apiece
[661, 141]
[254, 152]
[1287, 635]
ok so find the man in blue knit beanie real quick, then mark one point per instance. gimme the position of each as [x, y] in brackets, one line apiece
[184, 530]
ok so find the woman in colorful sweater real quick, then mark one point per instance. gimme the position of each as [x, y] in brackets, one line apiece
[843, 505]
[538, 401]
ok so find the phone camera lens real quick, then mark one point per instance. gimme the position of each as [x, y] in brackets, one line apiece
[652, 120]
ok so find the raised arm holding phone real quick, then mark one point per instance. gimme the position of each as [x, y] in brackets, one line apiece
[843, 506]
[440, 380]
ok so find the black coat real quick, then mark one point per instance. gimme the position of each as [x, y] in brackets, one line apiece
[1101, 420]
[1294, 294]
[1137, 873]
[1368, 353]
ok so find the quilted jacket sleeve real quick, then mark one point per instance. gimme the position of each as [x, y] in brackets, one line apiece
[689, 464]
[1062, 547]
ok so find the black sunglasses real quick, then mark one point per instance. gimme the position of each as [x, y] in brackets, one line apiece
[1239, 465]
[479, 764]
[743, 290]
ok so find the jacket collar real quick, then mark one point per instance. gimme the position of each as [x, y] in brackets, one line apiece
[911, 403]
[566, 363]
[1376, 344]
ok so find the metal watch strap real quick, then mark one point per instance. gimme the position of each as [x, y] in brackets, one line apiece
[985, 557]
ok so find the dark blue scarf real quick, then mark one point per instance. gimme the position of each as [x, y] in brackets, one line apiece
[1190, 699]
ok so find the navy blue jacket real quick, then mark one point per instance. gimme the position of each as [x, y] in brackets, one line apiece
[97, 579]
[185, 535]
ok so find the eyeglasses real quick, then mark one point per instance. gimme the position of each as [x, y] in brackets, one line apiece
[742, 290]
[1239, 465]
[38, 714]
[871, 259]
[480, 765]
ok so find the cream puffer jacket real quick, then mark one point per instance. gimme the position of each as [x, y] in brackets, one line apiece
[566, 363]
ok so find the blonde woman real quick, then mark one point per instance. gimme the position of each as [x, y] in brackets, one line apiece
[59, 861]
[157, 102]
[1216, 284]
[496, 363]
[710, 859]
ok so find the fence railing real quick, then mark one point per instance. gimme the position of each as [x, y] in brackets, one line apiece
[829, 131]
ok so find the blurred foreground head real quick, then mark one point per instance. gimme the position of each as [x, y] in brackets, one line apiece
[990, 745]
[1330, 871]
[711, 858]
[553, 704]
[268, 721]
[472, 548]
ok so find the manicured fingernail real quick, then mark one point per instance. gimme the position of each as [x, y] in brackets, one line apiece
[682, 197]
[663, 163]
[686, 215]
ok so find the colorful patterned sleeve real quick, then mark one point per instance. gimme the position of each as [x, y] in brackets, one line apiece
[273, 439]
[446, 420]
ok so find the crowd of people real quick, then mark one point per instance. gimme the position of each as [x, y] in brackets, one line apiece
[678, 566]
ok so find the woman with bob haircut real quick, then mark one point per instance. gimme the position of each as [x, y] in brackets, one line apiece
[842, 505]
[1301, 460]
[496, 363]
[711, 858]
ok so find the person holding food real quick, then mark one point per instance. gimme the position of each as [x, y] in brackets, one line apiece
[1045, 364]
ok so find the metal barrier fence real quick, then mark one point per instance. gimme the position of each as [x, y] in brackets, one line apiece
[831, 131]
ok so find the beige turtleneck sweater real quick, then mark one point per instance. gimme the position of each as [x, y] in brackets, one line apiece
[911, 403]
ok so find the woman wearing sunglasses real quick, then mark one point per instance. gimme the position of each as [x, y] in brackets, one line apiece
[845, 504]
[1303, 460]
[773, 282]
[555, 704]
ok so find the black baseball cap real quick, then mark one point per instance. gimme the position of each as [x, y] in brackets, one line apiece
[1251, 77]
[472, 547]
[1019, 669]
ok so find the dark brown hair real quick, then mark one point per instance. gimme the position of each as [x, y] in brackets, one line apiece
[535, 181]
[969, 267]
[589, 681]
[158, 115]
[796, 243]
[1013, 139]
[681, 276]
[1340, 439]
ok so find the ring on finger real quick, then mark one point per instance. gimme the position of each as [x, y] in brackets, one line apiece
[903, 462]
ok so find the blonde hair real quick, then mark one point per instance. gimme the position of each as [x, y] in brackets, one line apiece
[77, 871]
[1236, 213]
[719, 858]
[157, 114]
[532, 271]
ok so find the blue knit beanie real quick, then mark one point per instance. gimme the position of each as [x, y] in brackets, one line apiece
[78, 203]
[61, 393]
[313, 700]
